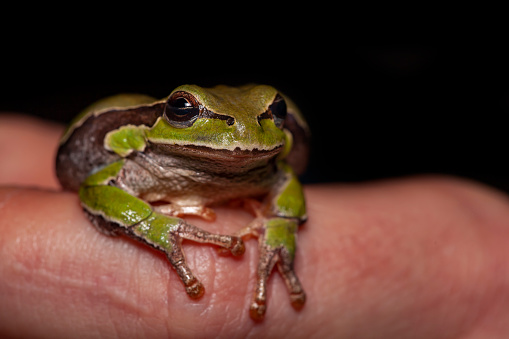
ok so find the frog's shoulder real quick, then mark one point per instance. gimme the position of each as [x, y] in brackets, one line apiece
[82, 149]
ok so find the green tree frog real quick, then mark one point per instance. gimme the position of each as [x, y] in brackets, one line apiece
[140, 165]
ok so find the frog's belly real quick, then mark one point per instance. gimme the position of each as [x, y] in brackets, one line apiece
[194, 188]
[190, 193]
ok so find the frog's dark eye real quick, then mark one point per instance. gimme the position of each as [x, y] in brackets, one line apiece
[278, 110]
[182, 110]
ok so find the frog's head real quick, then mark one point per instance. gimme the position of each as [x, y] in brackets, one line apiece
[240, 120]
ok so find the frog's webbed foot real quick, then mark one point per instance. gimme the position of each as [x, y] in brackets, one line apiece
[276, 247]
[167, 233]
[194, 288]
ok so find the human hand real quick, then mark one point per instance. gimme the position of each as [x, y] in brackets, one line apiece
[422, 257]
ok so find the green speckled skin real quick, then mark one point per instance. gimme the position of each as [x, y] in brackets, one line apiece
[114, 204]
[140, 165]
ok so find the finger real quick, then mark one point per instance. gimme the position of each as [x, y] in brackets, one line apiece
[27, 148]
[405, 257]
[58, 275]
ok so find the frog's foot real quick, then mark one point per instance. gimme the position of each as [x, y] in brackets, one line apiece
[167, 233]
[277, 247]
[180, 211]
[194, 288]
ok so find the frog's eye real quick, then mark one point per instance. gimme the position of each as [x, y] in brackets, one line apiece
[278, 110]
[182, 110]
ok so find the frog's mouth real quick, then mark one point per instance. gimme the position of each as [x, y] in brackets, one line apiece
[227, 154]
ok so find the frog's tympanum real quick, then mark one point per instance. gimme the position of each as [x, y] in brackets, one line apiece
[140, 165]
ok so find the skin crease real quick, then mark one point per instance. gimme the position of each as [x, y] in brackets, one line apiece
[420, 257]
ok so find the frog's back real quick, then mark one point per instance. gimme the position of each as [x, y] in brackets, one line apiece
[81, 148]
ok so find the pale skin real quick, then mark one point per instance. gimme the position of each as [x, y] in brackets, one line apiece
[421, 257]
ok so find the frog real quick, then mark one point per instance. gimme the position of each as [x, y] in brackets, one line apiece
[141, 165]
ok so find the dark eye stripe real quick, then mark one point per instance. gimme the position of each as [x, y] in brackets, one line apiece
[211, 115]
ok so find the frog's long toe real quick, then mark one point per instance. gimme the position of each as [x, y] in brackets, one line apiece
[194, 288]
[285, 266]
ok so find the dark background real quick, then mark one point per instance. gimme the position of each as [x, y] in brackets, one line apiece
[374, 111]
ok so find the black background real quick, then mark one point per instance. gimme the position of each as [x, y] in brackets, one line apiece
[375, 111]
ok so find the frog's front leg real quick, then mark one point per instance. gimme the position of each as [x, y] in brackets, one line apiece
[277, 234]
[113, 210]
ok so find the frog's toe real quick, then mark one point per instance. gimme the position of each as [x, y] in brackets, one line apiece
[257, 310]
[195, 290]
[237, 247]
[298, 300]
